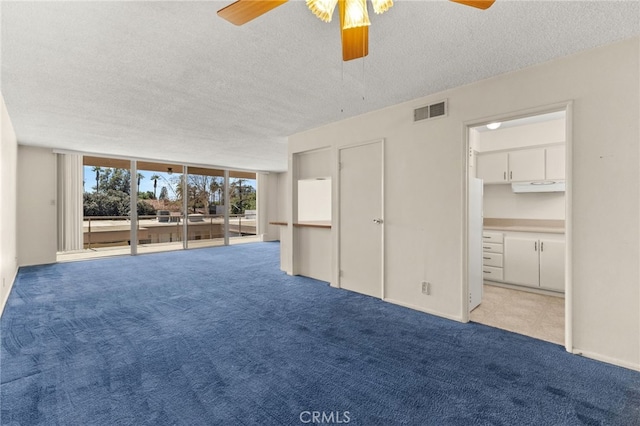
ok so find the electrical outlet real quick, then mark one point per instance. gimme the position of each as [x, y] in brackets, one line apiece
[426, 287]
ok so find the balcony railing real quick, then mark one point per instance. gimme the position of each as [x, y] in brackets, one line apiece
[112, 231]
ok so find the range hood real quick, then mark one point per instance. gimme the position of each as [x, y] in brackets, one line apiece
[538, 186]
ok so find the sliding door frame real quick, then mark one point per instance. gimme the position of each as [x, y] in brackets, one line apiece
[133, 201]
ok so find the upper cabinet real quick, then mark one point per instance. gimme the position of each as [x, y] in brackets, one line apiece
[492, 167]
[522, 165]
[555, 163]
[526, 165]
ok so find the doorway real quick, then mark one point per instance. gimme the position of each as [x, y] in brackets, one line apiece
[361, 235]
[522, 162]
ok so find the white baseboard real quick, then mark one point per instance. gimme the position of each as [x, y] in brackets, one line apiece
[426, 311]
[608, 360]
[3, 302]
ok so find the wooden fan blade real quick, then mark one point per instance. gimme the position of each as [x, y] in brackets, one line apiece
[355, 41]
[243, 11]
[480, 4]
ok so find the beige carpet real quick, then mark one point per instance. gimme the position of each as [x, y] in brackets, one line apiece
[531, 314]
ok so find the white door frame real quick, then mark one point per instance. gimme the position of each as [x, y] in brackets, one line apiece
[335, 214]
[568, 295]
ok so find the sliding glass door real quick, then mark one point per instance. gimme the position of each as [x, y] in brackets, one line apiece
[243, 212]
[160, 225]
[205, 206]
[177, 207]
[106, 205]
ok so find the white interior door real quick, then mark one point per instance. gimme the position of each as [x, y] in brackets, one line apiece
[475, 276]
[361, 219]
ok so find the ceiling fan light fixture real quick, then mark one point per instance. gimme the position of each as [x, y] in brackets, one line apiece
[381, 6]
[355, 14]
[323, 9]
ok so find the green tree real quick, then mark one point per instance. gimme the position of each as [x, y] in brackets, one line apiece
[97, 169]
[147, 195]
[111, 196]
[201, 189]
[164, 193]
[102, 204]
[155, 178]
[145, 209]
[242, 196]
[112, 179]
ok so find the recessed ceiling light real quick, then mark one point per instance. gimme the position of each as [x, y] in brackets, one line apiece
[493, 126]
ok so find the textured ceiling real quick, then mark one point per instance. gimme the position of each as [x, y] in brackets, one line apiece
[172, 81]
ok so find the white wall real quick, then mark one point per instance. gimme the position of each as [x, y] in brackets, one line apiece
[313, 164]
[501, 202]
[283, 216]
[37, 212]
[270, 201]
[313, 253]
[541, 133]
[8, 175]
[267, 203]
[425, 240]
[314, 200]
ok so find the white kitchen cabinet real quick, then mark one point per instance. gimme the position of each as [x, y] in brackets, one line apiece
[521, 261]
[526, 165]
[555, 163]
[537, 260]
[492, 273]
[492, 259]
[552, 260]
[492, 237]
[492, 248]
[522, 165]
[492, 167]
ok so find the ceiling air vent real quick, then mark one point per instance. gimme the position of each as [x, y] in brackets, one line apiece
[438, 109]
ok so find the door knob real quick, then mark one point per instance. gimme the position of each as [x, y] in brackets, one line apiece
[377, 221]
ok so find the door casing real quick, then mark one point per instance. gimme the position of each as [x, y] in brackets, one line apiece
[567, 106]
[337, 209]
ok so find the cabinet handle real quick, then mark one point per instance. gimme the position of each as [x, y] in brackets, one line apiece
[487, 272]
[541, 246]
[510, 175]
[486, 258]
[535, 246]
[504, 175]
[484, 236]
[487, 248]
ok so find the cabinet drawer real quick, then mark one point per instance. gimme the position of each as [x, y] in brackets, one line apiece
[492, 273]
[492, 259]
[492, 247]
[492, 237]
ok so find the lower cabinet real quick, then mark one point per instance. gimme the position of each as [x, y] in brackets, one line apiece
[535, 261]
[552, 261]
[521, 262]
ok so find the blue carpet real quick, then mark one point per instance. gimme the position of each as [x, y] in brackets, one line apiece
[221, 336]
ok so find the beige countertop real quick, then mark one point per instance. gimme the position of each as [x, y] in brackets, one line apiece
[318, 224]
[524, 225]
[547, 230]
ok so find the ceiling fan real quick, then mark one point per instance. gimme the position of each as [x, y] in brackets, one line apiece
[354, 20]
